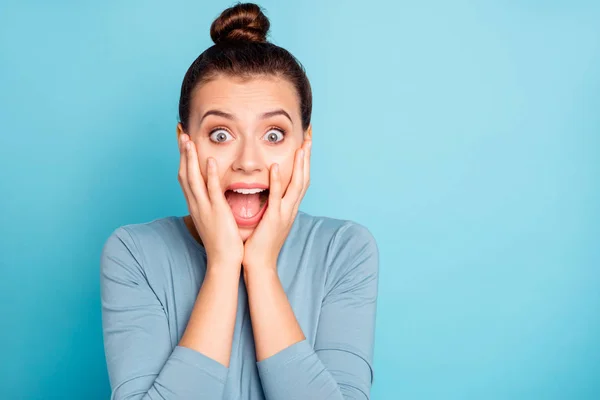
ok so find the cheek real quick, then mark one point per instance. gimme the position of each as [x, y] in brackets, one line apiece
[286, 167]
[202, 165]
[204, 152]
[286, 176]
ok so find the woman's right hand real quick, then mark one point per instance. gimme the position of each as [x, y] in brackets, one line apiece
[208, 208]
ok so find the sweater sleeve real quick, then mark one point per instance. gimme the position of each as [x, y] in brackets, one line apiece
[339, 366]
[141, 360]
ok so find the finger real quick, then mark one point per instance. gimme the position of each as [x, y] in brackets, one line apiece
[275, 191]
[294, 189]
[214, 187]
[308, 152]
[195, 179]
[182, 174]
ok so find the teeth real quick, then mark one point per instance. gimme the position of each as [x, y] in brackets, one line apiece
[248, 191]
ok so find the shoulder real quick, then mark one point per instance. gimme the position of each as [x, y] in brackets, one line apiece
[142, 235]
[339, 233]
[347, 245]
[130, 246]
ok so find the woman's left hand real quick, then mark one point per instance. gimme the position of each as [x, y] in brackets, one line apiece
[262, 248]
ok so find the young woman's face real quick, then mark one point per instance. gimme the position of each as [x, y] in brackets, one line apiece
[246, 126]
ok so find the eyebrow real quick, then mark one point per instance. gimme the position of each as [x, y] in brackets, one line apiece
[266, 115]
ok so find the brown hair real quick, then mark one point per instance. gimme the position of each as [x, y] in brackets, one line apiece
[241, 50]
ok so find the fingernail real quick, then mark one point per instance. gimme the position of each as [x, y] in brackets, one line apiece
[211, 163]
[301, 153]
[276, 168]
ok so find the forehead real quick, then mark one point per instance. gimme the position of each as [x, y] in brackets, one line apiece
[247, 97]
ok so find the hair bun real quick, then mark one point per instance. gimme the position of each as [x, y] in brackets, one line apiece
[242, 22]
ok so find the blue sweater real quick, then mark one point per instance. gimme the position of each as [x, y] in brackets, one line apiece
[151, 274]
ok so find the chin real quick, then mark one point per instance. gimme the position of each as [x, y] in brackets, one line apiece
[245, 232]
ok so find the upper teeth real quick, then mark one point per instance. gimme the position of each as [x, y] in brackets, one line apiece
[248, 191]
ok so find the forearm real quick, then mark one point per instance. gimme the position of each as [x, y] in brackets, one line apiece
[288, 366]
[274, 324]
[210, 327]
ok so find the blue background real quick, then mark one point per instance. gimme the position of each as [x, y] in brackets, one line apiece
[465, 135]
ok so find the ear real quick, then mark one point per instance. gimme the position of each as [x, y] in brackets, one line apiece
[308, 133]
[179, 130]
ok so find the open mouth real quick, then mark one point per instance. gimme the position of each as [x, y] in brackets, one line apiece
[247, 205]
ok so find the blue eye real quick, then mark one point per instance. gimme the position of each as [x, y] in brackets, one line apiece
[220, 135]
[275, 135]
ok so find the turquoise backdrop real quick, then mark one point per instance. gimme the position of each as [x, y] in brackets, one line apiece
[465, 135]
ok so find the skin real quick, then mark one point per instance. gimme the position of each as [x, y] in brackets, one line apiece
[246, 155]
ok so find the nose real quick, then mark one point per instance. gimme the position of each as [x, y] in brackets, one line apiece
[248, 158]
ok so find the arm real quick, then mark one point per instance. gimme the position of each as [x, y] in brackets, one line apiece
[340, 364]
[142, 362]
[273, 321]
[215, 307]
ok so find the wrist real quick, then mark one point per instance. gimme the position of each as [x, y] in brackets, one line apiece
[223, 268]
[259, 273]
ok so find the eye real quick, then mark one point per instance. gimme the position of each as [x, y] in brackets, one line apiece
[274, 135]
[220, 135]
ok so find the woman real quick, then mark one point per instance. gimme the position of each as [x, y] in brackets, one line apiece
[246, 297]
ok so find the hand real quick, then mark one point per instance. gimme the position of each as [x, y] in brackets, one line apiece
[262, 248]
[208, 208]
